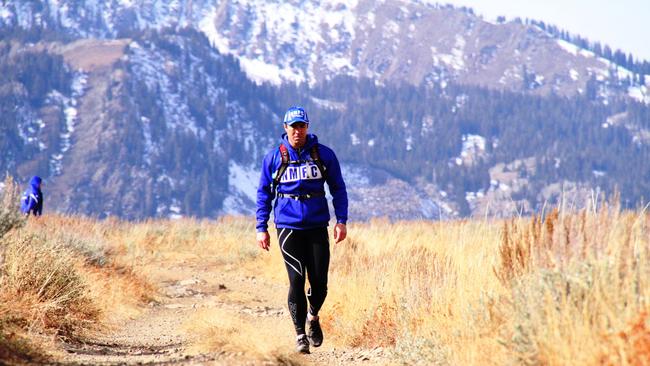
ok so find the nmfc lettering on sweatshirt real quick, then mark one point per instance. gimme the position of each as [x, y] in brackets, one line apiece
[303, 172]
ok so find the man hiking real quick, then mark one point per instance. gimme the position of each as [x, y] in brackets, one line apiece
[32, 200]
[295, 174]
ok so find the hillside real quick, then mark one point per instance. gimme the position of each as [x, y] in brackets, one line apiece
[138, 110]
[388, 41]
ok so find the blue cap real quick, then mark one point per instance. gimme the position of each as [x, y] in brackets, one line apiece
[295, 114]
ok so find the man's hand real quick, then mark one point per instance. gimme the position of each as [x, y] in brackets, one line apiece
[263, 240]
[340, 232]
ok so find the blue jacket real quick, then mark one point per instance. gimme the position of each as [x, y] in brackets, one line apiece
[32, 200]
[300, 179]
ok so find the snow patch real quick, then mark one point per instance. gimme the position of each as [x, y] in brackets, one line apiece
[454, 59]
[461, 100]
[243, 181]
[471, 196]
[427, 124]
[411, 30]
[390, 28]
[339, 63]
[409, 143]
[175, 210]
[472, 144]
[587, 53]
[511, 74]
[640, 93]
[568, 47]
[355, 175]
[622, 73]
[5, 13]
[329, 104]
[71, 115]
[148, 143]
[289, 36]
[260, 72]
[208, 27]
[371, 20]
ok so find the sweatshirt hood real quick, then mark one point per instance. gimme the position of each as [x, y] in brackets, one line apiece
[35, 182]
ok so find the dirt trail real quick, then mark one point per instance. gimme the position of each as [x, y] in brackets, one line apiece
[159, 334]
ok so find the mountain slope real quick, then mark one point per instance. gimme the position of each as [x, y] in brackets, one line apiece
[129, 130]
[149, 109]
[310, 41]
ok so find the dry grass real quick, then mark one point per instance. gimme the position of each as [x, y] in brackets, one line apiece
[91, 55]
[555, 290]
[566, 288]
[229, 331]
[57, 280]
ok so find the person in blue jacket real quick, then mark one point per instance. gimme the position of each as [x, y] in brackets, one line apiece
[301, 216]
[32, 200]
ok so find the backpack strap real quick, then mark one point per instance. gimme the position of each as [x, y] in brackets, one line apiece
[284, 154]
[315, 157]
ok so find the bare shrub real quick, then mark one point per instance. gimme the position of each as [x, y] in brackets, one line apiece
[44, 271]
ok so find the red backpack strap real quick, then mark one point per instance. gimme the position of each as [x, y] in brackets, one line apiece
[284, 155]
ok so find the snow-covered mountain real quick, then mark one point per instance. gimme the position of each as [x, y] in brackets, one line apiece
[164, 108]
[308, 41]
[139, 125]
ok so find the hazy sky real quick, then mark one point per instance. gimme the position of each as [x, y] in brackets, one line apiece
[623, 24]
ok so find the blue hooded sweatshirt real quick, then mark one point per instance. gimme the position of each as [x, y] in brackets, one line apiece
[300, 178]
[32, 200]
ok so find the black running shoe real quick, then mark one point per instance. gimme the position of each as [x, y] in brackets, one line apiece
[302, 344]
[315, 334]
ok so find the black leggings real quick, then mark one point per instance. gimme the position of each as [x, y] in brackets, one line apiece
[305, 252]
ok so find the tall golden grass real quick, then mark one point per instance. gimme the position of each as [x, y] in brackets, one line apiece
[57, 280]
[569, 288]
[566, 288]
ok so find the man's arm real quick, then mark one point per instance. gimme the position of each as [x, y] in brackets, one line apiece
[339, 196]
[265, 197]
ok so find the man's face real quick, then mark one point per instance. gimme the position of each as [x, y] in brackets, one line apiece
[297, 133]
